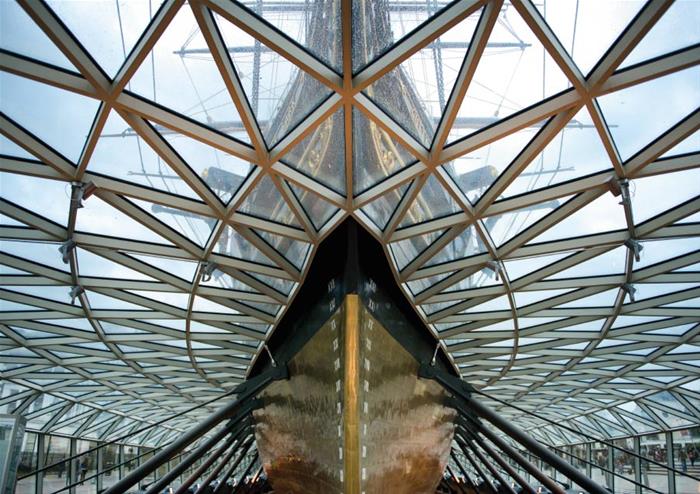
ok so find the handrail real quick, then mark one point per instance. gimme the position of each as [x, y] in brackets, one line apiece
[465, 401]
[97, 474]
[234, 410]
[201, 450]
[120, 438]
[588, 436]
[588, 462]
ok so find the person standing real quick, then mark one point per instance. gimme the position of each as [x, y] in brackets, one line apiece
[83, 470]
[684, 459]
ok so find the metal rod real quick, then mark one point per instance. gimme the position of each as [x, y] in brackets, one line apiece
[461, 469]
[229, 472]
[523, 462]
[236, 443]
[476, 466]
[227, 446]
[504, 464]
[588, 436]
[245, 391]
[454, 478]
[200, 451]
[530, 444]
[467, 403]
[490, 467]
[238, 484]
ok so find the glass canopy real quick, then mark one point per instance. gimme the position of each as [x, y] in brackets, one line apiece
[168, 171]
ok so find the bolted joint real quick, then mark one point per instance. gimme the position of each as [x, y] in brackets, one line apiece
[208, 269]
[495, 267]
[630, 290]
[635, 247]
[81, 191]
[621, 188]
[75, 292]
[65, 249]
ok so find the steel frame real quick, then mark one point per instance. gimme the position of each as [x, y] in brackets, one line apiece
[162, 377]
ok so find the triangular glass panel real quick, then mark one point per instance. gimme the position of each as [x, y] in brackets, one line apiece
[690, 144]
[190, 225]
[504, 227]
[693, 218]
[659, 193]
[388, 23]
[381, 209]
[650, 290]
[414, 94]
[55, 293]
[623, 321]
[117, 329]
[315, 26]
[610, 429]
[611, 262]
[9, 148]
[418, 286]
[294, 251]
[518, 268]
[655, 251]
[496, 304]
[433, 201]
[177, 76]
[578, 26]
[639, 114]
[316, 208]
[690, 302]
[575, 152]
[97, 216]
[108, 30]
[6, 270]
[672, 420]
[514, 72]
[466, 244]
[98, 266]
[175, 267]
[376, 155]
[602, 299]
[523, 298]
[638, 425]
[6, 305]
[122, 154]
[60, 118]
[47, 198]
[475, 172]
[20, 34]
[677, 29]
[280, 94]
[178, 300]
[282, 286]
[266, 202]
[608, 214]
[222, 172]
[98, 301]
[404, 251]
[232, 244]
[321, 154]
[485, 277]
